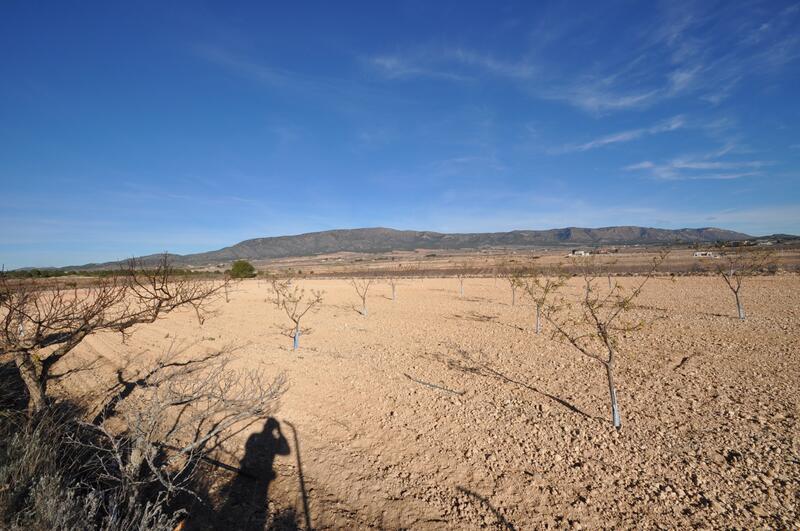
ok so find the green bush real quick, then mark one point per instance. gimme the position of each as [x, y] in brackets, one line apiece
[242, 269]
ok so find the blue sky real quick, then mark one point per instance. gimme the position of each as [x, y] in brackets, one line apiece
[129, 128]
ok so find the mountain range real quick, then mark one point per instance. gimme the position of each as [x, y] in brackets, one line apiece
[379, 240]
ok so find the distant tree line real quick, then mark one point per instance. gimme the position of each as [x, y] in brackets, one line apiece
[99, 273]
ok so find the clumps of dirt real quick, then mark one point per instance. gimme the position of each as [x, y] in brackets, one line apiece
[437, 411]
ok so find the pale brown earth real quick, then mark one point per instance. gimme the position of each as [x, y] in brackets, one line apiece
[440, 412]
[616, 259]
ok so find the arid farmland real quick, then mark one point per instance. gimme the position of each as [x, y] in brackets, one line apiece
[444, 411]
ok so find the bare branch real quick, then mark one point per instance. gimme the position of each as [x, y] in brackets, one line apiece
[295, 303]
[362, 285]
[40, 325]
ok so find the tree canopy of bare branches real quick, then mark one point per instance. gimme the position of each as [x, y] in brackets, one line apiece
[514, 279]
[175, 412]
[393, 281]
[595, 323]
[295, 303]
[39, 327]
[362, 285]
[461, 273]
[137, 458]
[736, 266]
[538, 287]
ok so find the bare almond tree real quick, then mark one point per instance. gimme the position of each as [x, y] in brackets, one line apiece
[737, 266]
[362, 285]
[594, 325]
[513, 276]
[539, 287]
[295, 303]
[40, 325]
[393, 281]
[461, 274]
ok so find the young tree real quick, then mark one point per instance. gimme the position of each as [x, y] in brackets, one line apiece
[461, 273]
[40, 325]
[514, 278]
[539, 288]
[295, 303]
[226, 287]
[737, 266]
[393, 281]
[361, 285]
[594, 325]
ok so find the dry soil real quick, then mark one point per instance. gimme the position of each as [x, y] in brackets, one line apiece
[443, 412]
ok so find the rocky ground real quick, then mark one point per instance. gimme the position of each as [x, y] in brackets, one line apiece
[439, 411]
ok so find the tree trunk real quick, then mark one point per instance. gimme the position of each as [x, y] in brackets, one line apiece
[609, 281]
[393, 294]
[296, 337]
[461, 289]
[739, 307]
[513, 297]
[538, 319]
[615, 417]
[27, 370]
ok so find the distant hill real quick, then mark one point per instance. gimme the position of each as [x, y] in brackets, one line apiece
[377, 240]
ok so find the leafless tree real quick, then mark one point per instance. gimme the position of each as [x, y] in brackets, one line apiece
[513, 276]
[362, 285]
[539, 287]
[461, 274]
[393, 281]
[39, 325]
[600, 318]
[295, 303]
[737, 266]
[418, 269]
[226, 287]
[128, 459]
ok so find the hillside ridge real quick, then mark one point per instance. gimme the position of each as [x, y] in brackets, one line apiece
[381, 239]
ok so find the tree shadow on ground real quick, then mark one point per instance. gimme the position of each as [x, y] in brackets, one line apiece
[481, 318]
[469, 366]
[246, 498]
[724, 316]
[501, 520]
[13, 393]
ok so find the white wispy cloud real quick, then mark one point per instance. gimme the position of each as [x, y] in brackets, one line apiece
[704, 167]
[488, 63]
[673, 124]
[683, 51]
[467, 165]
[348, 93]
[400, 67]
[596, 98]
[689, 50]
[453, 64]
